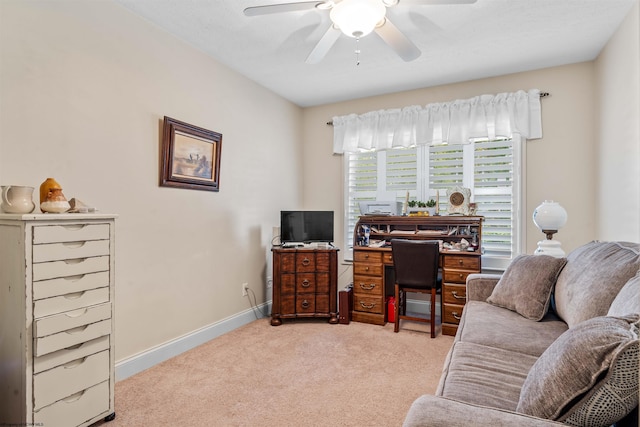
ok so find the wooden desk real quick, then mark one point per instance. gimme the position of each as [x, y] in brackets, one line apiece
[373, 276]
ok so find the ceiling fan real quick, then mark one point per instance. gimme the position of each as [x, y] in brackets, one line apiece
[355, 18]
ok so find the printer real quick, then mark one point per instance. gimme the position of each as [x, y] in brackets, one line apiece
[380, 208]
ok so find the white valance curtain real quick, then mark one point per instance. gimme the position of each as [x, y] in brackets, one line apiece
[457, 122]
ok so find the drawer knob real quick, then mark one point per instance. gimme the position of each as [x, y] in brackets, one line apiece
[305, 283]
[367, 306]
[367, 287]
[460, 261]
[456, 315]
[306, 262]
[366, 269]
[305, 304]
[456, 296]
[461, 275]
[366, 256]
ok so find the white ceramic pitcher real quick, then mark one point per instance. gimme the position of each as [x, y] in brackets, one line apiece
[17, 199]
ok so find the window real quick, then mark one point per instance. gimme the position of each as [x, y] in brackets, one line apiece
[491, 169]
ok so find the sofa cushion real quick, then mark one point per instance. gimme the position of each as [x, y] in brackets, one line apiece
[563, 378]
[493, 326]
[628, 299]
[592, 278]
[526, 285]
[484, 375]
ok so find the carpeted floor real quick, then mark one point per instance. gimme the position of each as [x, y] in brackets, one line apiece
[302, 373]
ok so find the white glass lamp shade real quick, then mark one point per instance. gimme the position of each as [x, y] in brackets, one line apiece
[549, 217]
[357, 18]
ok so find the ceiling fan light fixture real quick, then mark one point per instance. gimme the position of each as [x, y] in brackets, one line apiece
[357, 18]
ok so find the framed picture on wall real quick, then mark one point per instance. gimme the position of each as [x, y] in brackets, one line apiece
[190, 156]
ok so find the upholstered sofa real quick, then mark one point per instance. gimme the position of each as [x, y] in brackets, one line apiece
[552, 341]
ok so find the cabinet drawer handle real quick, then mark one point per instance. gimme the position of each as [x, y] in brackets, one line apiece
[305, 283]
[366, 269]
[75, 261]
[366, 256]
[74, 363]
[456, 296]
[367, 287]
[305, 304]
[461, 275]
[368, 306]
[456, 315]
[306, 262]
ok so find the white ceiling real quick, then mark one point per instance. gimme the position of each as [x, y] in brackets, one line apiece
[458, 42]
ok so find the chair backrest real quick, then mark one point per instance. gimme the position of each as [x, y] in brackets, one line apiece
[416, 262]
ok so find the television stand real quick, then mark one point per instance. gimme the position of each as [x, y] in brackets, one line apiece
[305, 283]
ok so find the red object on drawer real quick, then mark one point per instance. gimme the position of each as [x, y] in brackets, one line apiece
[391, 309]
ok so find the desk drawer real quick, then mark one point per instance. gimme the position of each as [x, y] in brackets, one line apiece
[71, 337]
[66, 285]
[367, 256]
[70, 250]
[454, 294]
[368, 304]
[462, 262]
[73, 377]
[451, 313]
[367, 285]
[70, 233]
[72, 267]
[70, 302]
[75, 409]
[387, 258]
[455, 276]
[368, 269]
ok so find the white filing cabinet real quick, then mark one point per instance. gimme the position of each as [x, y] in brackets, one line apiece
[56, 319]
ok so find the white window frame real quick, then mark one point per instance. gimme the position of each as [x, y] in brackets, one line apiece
[489, 263]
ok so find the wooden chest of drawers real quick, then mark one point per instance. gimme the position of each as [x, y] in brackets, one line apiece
[56, 308]
[304, 284]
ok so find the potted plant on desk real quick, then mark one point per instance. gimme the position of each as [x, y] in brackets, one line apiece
[417, 208]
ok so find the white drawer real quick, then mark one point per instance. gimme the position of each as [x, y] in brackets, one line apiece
[70, 320]
[70, 233]
[66, 355]
[71, 337]
[73, 377]
[71, 267]
[70, 250]
[76, 409]
[70, 302]
[66, 285]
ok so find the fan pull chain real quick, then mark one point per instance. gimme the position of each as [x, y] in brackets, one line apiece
[357, 51]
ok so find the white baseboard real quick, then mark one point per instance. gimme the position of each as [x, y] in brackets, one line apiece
[421, 307]
[138, 363]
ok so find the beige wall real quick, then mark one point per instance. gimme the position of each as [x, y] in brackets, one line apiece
[559, 166]
[618, 167]
[84, 87]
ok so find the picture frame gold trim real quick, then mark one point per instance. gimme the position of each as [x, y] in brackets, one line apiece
[190, 156]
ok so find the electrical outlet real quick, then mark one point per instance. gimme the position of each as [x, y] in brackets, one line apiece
[269, 282]
[245, 288]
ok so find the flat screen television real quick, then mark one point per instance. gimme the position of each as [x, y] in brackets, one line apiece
[306, 226]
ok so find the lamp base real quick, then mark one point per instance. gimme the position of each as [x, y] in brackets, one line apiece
[549, 247]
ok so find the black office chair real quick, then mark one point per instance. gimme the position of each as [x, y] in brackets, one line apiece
[416, 268]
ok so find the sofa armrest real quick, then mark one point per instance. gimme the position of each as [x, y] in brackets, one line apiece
[480, 286]
[435, 411]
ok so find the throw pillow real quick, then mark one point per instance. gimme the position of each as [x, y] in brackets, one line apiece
[628, 299]
[526, 285]
[589, 373]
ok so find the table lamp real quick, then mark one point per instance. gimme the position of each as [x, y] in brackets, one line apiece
[549, 217]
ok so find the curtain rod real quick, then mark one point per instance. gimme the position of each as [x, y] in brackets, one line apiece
[542, 95]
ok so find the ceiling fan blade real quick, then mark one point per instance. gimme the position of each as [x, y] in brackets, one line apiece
[437, 2]
[324, 45]
[398, 41]
[279, 8]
